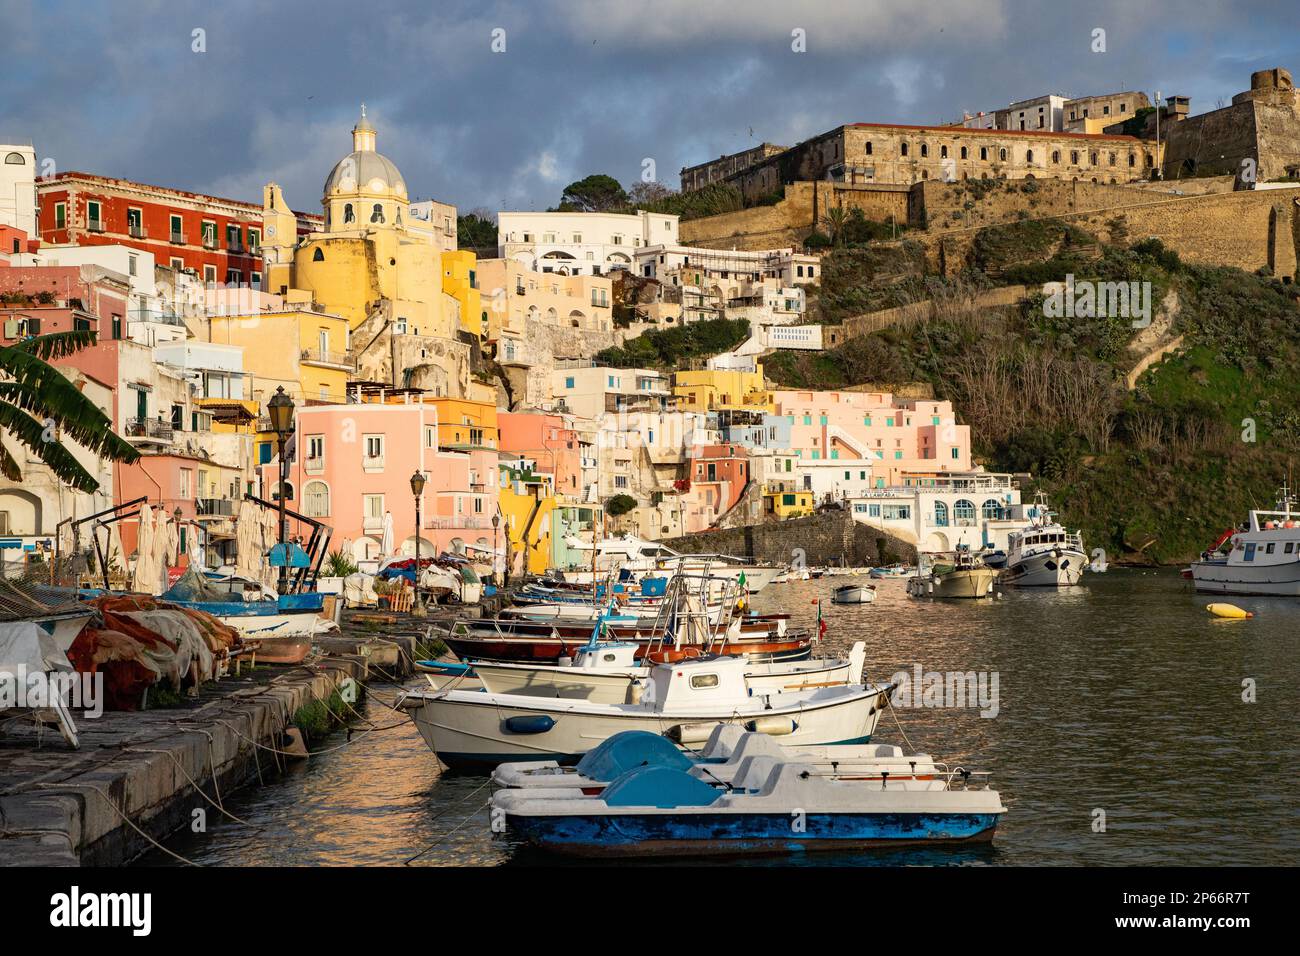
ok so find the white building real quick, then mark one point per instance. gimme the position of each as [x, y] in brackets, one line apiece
[18, 188]
[1046, 112]
[938, 512]
[580, 243]
[435, 219]
[662, 260]
[212, 370]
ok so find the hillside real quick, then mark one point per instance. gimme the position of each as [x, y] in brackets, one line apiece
[1151, 473]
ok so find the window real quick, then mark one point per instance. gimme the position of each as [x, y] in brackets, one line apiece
[318, 255]
[94, 217]
[60, 215]
[232, 237]
[372, 506]
[254, 239]
[315, 452]
[374, 448]
[132, 265]
[956, 452]
[178, 232]
[210, 275]
[940, 514]
[316, 499]
[377, 213]
[117, 326]
[699, 681]
[186, 484]
[964, 512]
[984, 152]
[963, 152]
[15, 159]
[349, 214]
[903, 149]
[208, 232]
[233, 277]
[991, 509]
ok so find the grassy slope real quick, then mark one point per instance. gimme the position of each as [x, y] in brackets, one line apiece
[1150, 475]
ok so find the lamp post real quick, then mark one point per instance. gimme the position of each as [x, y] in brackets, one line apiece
[505, 570]
[280, 408]
[417, 487]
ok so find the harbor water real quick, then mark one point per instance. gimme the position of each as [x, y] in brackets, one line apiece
[1124, 734]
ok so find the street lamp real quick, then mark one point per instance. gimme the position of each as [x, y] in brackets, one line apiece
[280, 408]
[417, 487]
[505, 570]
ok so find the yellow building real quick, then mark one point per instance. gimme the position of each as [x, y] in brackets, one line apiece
[712, 389]
[527, 501]
[464, 422]
[366, 258]
[788, 504]
[460, 281]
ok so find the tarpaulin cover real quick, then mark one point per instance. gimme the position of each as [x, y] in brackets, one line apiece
[194, 587]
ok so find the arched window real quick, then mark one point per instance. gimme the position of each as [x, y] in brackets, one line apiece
[15, 159]
[1112, 159]
[963, 152]
[940, 514]
[943, 152]
[1002, 154]
[1056, 156]
[868, 147]
[377, 214]
[964, 512]
[318, 255]
[1029, 157]
[316, 499]
[904, 149]
[991, 509]
[925, 150]
[349, 214]
[288, 491]
[1132, 160]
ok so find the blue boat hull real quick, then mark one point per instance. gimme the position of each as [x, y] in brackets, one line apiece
[708, 834]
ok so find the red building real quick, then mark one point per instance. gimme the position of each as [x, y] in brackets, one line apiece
[719, 474]
[218, 239]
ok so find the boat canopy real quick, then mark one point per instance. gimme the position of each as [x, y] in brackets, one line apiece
[622, 752]
[662, 787]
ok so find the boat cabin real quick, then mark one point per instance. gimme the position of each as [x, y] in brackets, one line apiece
[705, 683]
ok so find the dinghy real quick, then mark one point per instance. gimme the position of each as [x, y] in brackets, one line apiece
[853, 594]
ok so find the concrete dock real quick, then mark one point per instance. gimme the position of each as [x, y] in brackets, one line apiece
[139, 776]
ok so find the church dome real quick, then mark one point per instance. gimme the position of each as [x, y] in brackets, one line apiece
[364, 170]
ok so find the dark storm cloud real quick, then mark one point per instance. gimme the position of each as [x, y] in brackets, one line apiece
[582, 86]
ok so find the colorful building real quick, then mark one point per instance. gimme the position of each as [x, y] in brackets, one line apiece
[460, 281]
[527, 504]
[707, 390]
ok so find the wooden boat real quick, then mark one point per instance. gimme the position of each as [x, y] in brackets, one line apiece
[853, 594]
[772, 804]
[959, 575]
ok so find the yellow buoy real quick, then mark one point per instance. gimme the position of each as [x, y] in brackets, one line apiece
[1227, 610]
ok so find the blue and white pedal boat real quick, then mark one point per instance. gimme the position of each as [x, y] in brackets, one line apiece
[773, 807]
[720, 761]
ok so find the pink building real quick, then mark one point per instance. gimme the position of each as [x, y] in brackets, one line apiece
[350, 465]
[718, 475]
[546, 439]
[896, 436]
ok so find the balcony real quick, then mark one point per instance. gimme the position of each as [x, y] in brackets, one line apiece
[137, 231]
[209, 241]
[372, 525]
[234, 245]
[314, 466]
[95, 225]
[370, 464]
[178, 238]
[339, 360]
[214, 507]
[474, 522]
[149, 428]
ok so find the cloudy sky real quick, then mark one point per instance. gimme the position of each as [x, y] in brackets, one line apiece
[581, 86]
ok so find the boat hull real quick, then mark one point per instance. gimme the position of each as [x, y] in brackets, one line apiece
[1047, 569]
[853, 594]
[699, 834]
[1276, 580]
[475, 734]
[529, 650]
[960, 585]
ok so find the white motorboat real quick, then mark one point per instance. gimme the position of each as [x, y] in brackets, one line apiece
[1263, 558]
[1044, 554]
[608, 673]
[853, 594]
[639, 558]
[685, 701]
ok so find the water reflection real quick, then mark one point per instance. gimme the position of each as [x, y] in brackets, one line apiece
[1123, 696]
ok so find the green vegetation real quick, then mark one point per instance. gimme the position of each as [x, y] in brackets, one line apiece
[339, 565]
[669, 348]
[602, 193]
[316, 718]
[1150, 474]
[476, 230]
[619, 505]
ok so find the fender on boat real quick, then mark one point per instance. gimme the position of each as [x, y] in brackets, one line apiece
[772, 726]
[529, 723]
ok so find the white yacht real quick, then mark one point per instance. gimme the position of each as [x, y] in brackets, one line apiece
[1044, 554]
[1263, 558]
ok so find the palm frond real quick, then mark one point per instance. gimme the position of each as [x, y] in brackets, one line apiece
[57, 345]
[48, 395]
[36, 436]
[9, 467]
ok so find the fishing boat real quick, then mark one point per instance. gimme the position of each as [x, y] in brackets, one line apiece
[959, 574]
[719, 761]
[1262, 558]
[772, 805]
[892, 571]
[853, 594]
[685, 700]
[1044, 554]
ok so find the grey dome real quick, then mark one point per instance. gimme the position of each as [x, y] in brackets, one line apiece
[365, 171]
